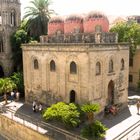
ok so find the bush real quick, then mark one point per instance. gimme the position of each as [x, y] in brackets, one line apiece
[66, 113]
[96, 131]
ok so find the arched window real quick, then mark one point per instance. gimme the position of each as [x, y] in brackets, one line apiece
[110, 66]
[0, 19]
[122, 64]
[36, 64]
[73, 68]
[1, 43]
[52, 65]
[98, 28]
[13, 18]
[98, 68]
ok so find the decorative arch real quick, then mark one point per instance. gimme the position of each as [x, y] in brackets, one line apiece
[1, 43]
[36, 65]
[52, 65]
[13, 17]
[0, 18]
[69, 60]
[122, 64]
[98, 28]
[98, 68]
[72, 96]
[111, 66]
[59, 32]
[110, 99]
[73, 68]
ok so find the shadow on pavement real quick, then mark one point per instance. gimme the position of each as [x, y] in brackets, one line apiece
[111, 120]
[25, 111]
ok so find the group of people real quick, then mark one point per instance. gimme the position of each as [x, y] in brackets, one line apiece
[37, 106]
[111, 109]
[14, 95]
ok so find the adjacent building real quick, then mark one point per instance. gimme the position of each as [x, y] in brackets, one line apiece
[9, 21]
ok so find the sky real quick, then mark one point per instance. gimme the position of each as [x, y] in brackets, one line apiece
[108, 7]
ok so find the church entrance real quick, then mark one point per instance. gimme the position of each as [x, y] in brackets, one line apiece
[110, 99]
[1, 72]
[72, 96]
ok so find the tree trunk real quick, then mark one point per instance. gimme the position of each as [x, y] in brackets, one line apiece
[90, 116]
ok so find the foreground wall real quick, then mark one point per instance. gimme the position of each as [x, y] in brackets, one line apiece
[15, 131]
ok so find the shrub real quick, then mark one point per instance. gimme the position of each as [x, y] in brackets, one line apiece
[66, 113]
[96, 131]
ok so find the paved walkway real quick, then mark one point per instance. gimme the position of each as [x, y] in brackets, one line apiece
[125, 119]
[116, 124]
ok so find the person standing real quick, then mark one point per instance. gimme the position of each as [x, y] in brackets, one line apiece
[17, 95]
[34, 105]
[138, 106]
[40, 107]
[12, 95]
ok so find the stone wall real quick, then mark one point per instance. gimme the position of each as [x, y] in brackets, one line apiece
[15, 131]
[53, 86]
[134, 70]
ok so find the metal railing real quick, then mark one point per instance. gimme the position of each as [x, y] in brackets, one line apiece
[42, 127]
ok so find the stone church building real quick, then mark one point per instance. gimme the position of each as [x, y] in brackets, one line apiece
[9, 21]
[78, 61]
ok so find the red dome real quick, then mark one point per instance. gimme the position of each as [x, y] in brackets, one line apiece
[96, 22]
[55, 25]
[73, 24]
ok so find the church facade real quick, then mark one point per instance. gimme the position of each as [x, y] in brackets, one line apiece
[80, 64]
[9, 21]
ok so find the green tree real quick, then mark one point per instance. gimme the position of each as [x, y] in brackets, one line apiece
[6, 85]
[38, 15]
[17, 78]
[90, 109]
[128, 32]
[19, 37]
[68, 114]
[94, 131]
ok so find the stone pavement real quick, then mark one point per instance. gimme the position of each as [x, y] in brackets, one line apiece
[125, 119]
[116, 124]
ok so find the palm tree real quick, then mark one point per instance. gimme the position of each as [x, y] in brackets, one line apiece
[89, 109]
[38, 16]
[6, 85]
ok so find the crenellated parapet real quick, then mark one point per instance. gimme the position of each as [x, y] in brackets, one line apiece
[80, 38]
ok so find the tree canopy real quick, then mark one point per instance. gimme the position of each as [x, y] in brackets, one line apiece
[17, 38]
[38, 15]
[128, 32]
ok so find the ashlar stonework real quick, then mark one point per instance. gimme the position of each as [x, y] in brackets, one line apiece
[76, 72]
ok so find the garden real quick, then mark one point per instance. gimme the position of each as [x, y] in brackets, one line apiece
[79, 119]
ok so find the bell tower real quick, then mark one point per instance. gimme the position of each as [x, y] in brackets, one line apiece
[9, 21]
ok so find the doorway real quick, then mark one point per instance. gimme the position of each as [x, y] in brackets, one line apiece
[72, 96]
[110, 99]
[1, 72]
